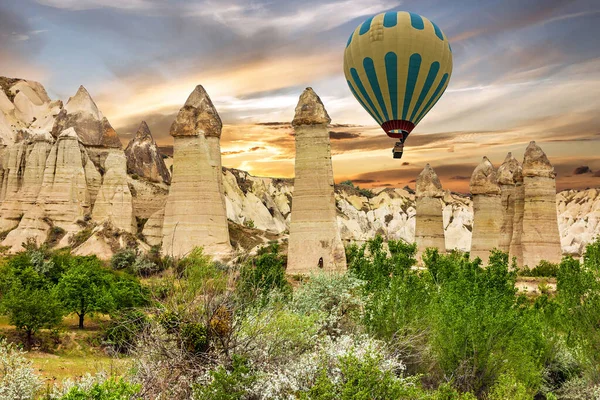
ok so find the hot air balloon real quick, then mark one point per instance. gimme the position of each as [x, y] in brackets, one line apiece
[397, 65]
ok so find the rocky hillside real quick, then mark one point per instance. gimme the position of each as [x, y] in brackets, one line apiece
[265, 204]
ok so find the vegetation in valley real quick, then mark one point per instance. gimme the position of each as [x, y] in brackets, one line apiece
[194, 328]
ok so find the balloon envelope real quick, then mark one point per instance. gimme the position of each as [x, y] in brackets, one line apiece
[398, 65]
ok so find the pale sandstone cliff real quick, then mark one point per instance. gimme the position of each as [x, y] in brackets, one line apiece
[143, 157]
[541, 238]
[487, 211]
[314, 242]
[429, 226]
[114, 202]
[508, 175]
[195, 212]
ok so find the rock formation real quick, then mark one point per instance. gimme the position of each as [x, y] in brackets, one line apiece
[314, 242]
[195, 212]
[508, 175]
[64, 195]
[114, 201]
[143, 157]
[541, 239]
[487, 211]
[94, 131]
[429, 228]
[516, 249]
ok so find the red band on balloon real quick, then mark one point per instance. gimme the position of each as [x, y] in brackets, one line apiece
[399, 126]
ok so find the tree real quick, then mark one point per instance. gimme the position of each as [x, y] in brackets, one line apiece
[29, 303]
[86, 288]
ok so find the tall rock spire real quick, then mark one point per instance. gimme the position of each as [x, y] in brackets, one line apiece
[429, 225]
[508, 175]
[541, 238]
[143, 157]
[314, 243]
[486, 210]
[92, 127]
[195, 214]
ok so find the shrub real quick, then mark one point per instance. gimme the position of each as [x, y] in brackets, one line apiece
[338, 298]
[124, 329]
[480, 329]
[123, 259]
[228, 384]
[18, 380]
[508, 387]
[96, 387]
[543, 269]
[262, 274]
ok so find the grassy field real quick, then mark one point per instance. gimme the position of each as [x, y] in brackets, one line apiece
[69, 352]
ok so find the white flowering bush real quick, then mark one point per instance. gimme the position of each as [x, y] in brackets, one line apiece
[338, 298]
[300, 374]
[85, 383]
[18, 380]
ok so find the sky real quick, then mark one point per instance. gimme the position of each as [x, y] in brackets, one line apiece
[523, 70]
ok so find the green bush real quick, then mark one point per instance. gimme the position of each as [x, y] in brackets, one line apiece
[338, 298]
[123, 330]
[543, 269]
[228, 384]
[123, 259]
[262, 274]
[110, 389]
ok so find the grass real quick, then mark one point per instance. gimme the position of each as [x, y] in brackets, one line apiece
[54, 368]
[77, 354]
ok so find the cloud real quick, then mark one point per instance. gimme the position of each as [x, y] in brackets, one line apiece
[584, 169]
[79, 5]
[248, 18]
[505, 18]
[343, 135]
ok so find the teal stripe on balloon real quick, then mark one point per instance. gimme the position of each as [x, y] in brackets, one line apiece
[438, 31]
[372, 76]
[434, 98]
[390, 19]
[414, 64]
[416, 21]
[362, 103]
[364, 28]
[433, 71]
[350, 39]
[391, 70]
[371, 107]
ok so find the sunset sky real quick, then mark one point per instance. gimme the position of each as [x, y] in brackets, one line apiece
[523, 70]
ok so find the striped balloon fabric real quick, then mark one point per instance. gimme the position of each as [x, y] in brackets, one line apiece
[397, 65]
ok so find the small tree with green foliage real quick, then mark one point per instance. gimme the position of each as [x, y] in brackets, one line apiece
[86, 288]
[27, 297]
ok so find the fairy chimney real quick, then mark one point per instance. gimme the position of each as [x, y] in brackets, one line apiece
[195, 214]
[508, 175]
[314, 242]
[487, 206]
[429, 227]
[541, 238]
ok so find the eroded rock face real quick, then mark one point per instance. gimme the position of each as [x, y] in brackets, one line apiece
[195, 212]
[508, 176]
[578, 219]
[25, 110]
[487, 211]
[541, 239]
[91, 125]
[143, 157]
[64, 195]
[429, 227]
[314, 242]
[114, 202]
